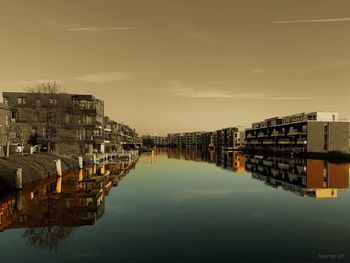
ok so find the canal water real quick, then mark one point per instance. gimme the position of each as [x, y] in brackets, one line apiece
[184, 206]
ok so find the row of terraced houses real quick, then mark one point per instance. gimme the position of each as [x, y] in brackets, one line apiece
[84, 127]
[314, 132]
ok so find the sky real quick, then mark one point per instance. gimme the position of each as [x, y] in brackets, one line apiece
[166, 66]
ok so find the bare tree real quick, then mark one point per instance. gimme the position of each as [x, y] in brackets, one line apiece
[21, 136]
[49, 104]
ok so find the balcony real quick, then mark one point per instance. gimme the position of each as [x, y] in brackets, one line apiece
[293, 132]
[262, 135]
[276, 134]
[283, 166]
[284, 141]
[269, 141]
[301, 142]
[267, 163]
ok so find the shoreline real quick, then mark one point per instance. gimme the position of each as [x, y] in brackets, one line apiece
[34, 167]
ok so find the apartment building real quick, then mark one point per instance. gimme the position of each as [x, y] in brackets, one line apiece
[193, 139]
[208, 140]
[177, 139]
[5, 119]
[227, 139]
[160, 140]
[314, 132]
[74, 119]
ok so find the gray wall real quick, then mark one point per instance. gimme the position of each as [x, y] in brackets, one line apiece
[315, 136]
[339, 136]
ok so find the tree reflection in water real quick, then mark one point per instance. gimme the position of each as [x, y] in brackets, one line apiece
[48, 237]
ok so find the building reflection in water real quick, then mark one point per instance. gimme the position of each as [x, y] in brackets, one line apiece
[51, 208]
[304, 177]
[315, 178]
[229, 160]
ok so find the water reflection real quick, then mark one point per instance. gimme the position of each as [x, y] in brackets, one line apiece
[304, 177]
[315, 178]
[229, 160]
[52, 208]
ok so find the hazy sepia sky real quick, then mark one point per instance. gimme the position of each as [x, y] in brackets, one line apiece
[181, 65]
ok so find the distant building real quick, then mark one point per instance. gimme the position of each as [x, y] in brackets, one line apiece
[154, 140]
[316, 132]
[193, 139]
[176, 139]
[227, 139]
[208, 140]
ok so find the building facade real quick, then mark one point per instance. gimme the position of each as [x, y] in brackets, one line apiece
[315, 132]
[69, 119]
[5, 121]
[75, 120]
[227, 139]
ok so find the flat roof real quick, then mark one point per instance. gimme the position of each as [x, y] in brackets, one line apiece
[3, 107]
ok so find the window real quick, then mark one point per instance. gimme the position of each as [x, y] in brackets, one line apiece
[6, 101]
[21, 101]
[53, 101]
[67, 118]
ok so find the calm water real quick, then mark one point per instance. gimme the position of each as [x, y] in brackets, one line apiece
[175, 208]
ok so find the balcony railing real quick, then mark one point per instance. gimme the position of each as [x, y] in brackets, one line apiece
[276, 134]
[301, 141]
[284, 141]
[262, 135]
[268, 141]
[296, 132]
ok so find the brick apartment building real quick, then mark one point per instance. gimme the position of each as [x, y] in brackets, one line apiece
[5, 119]
[81, 125]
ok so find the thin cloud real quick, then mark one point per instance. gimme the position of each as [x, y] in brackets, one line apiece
[20, 84]
[332, 65]
[340, 19]
[85, 29]
[193, 93]
[258, 71]
[104, 77]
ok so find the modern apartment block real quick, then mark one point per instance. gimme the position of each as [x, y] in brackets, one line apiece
[5, 119]
[224, 139]
[314, 132]
[176, 139]
[208, 140]
[193, 139]
[160, 140]
[227, 139]
[154, 140]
